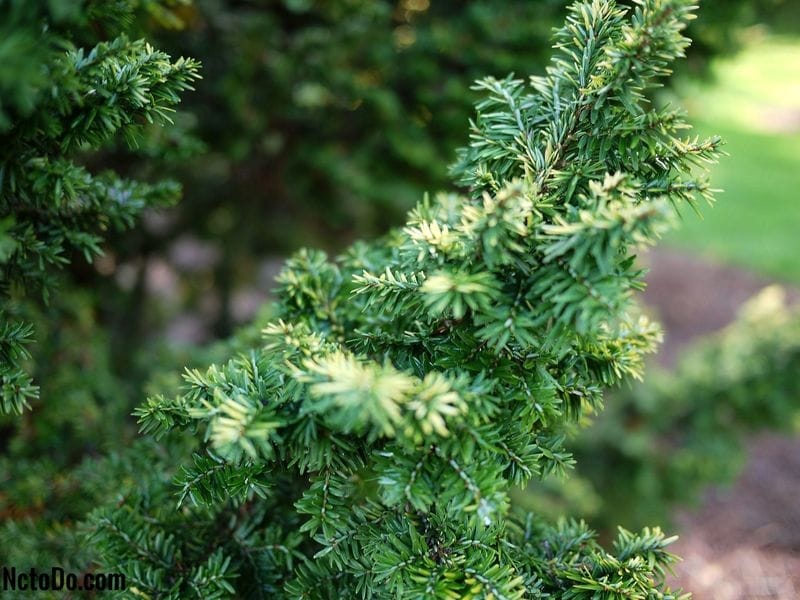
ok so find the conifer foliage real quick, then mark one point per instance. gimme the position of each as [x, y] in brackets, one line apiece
[61, 99]
[367, 449]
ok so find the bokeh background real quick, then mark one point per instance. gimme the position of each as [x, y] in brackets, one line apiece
[320, 122]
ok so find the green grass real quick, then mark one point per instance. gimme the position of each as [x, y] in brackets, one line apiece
[754, 104]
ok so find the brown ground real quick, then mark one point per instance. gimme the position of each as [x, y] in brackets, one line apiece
[743, 542]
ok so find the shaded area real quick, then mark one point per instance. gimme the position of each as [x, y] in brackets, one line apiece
[743, 541]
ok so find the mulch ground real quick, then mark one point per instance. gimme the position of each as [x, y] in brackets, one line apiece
[743, 541]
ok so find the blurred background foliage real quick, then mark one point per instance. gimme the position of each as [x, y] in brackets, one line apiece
[321, 122]
[318, 122]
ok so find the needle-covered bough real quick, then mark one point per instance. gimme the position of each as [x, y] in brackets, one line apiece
[59, 101]
[368, 448]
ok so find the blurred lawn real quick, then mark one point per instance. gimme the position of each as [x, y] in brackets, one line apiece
[754, 104]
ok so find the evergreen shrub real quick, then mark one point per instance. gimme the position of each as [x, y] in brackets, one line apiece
[368, 447]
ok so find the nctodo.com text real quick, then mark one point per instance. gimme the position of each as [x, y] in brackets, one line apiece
[56, 579]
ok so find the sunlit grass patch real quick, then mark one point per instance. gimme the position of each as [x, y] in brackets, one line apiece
[754, 104]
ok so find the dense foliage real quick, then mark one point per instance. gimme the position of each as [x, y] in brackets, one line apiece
[65, 100]
[406, 386]
[368, 447]
[71, 82]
